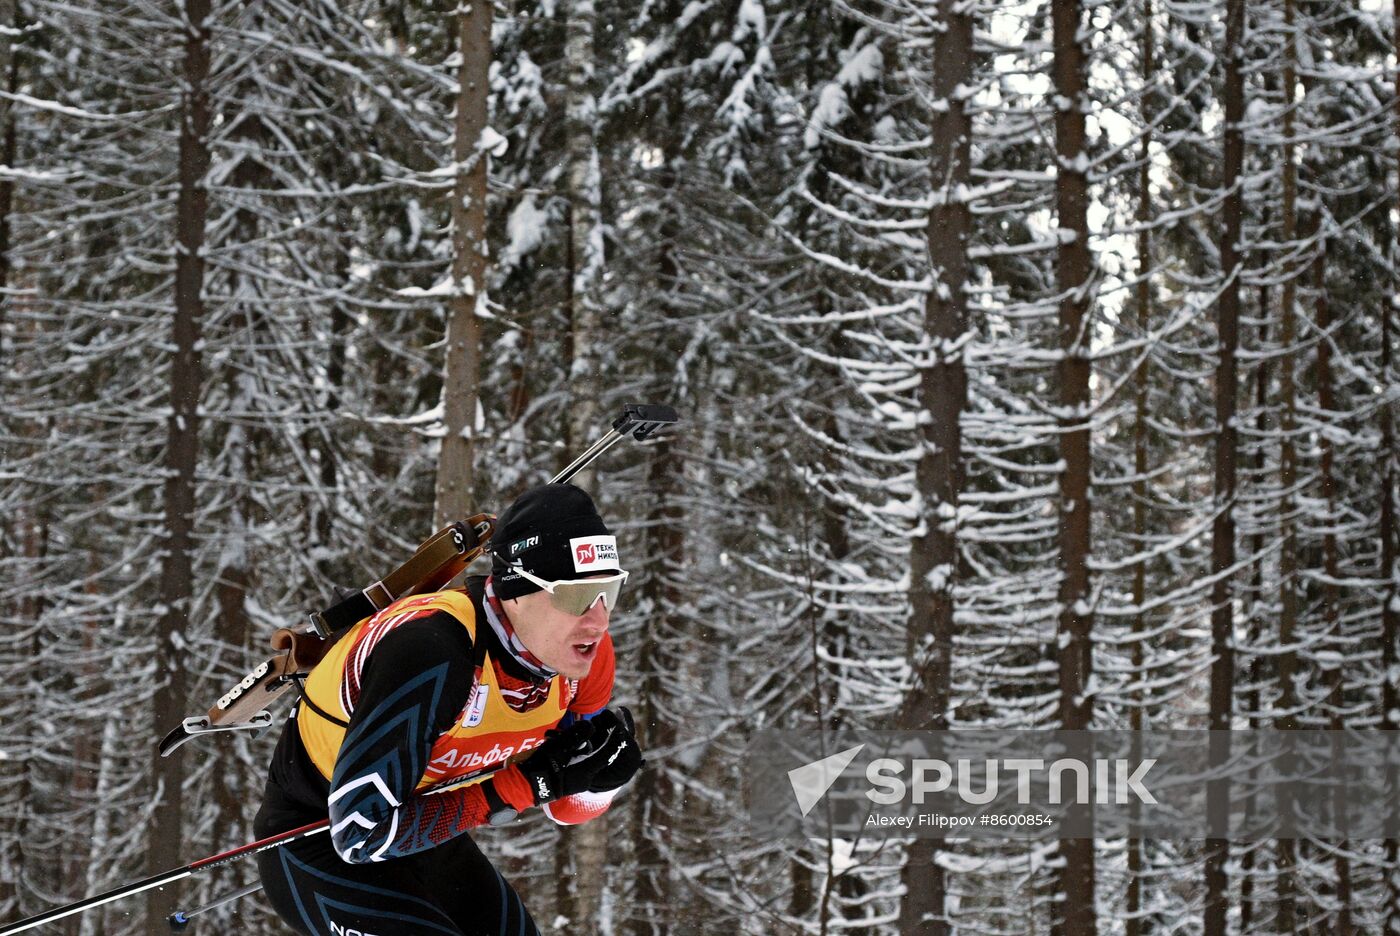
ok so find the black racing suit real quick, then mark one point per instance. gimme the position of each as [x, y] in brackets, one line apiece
[420, 674]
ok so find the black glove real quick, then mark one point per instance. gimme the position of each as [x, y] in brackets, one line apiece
[616, 752]
[588, 756]
[548, 766]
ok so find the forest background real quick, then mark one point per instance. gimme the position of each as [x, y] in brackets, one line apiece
[1036, 361]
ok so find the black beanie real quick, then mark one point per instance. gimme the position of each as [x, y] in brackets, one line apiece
[555, 532]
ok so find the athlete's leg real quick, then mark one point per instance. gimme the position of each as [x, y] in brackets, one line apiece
[478, 899]
[318, 894]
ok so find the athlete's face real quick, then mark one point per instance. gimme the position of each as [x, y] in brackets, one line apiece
[564, 642]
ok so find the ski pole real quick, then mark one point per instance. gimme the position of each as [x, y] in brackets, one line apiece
[213, 861]
[639, 420]
[181, 918]
[167, 877]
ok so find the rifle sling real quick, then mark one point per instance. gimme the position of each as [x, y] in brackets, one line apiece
[447, 544]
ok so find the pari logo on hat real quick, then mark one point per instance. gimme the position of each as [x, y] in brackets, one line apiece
[540, 532]
[528, 543]
[594, 554]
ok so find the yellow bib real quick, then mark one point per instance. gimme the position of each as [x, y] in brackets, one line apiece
[486, 731]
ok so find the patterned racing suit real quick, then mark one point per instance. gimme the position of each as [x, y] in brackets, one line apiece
[431, 689]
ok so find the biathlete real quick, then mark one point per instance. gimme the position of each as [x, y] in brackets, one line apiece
[516, 667]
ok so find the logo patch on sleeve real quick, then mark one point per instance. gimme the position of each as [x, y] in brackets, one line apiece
[594, 553]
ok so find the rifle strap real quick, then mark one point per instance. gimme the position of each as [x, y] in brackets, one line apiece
[445, 551]
[436, 562]
[306, 700]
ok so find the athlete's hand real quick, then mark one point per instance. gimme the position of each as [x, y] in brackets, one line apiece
[615, 750]
[559, 766]
[589, 756]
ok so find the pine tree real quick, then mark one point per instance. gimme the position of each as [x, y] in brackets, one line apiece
[1222, 674]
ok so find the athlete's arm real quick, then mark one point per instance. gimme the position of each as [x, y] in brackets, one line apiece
[617, 758]
[594, 693]
[413, 685]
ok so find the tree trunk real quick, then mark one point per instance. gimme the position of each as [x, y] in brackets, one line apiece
[1076, 888]
[586, 260]
[588, 842]
[87, 759]
[653, 813]
[33, 534]
[940, 471]
[1287, 661]
[9, 67]
[326, 511]
[1222, 619]
[461, 390]
[1331, 593]
[181, 455]
[652, 914]
[1390, 565]
[1252, 697]
[11, 829]
[94, 922]
[1390, 622]
[241, 445]
[1133, 923]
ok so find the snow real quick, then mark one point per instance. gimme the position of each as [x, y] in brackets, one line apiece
[726, 55]
[843, 854]
[831, 109]
[64, 109]
[832, 102]
[750, 19]
[20, 174]
[413, 211]
[865, 65]
[493, 143]
[795, 338]
[443, 287]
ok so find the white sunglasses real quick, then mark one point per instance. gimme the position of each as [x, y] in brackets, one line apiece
[576, 596]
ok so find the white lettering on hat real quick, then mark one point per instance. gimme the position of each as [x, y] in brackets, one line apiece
[594, 553]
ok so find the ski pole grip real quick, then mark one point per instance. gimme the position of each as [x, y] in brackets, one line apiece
[642, 419]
